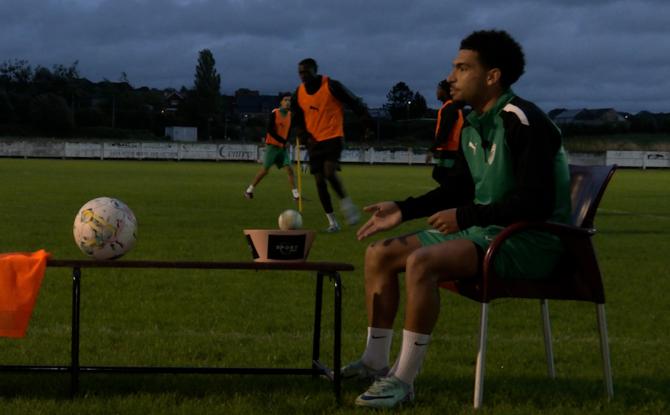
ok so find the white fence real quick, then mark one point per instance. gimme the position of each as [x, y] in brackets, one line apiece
[252, 152]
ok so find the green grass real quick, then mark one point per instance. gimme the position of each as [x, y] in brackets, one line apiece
[195, 211]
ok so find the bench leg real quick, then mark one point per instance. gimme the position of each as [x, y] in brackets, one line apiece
[74, 346]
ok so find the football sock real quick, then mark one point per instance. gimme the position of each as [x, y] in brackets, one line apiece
[378, 348]
[331, 218]
[412, 353]
[250, 189]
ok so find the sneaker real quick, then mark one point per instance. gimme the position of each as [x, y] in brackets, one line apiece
[360, 371]
[351, 214]
[386, 392]
[248, 195]
[333, 228]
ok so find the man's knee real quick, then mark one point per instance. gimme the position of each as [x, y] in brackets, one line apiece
[375, 255]
[422, 268]
[389, 254]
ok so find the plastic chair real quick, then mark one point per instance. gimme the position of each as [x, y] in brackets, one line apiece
[576, 278]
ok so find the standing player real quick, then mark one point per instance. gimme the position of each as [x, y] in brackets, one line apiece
[318, 115]
[276, 151]
[515, 169]
[447, 136]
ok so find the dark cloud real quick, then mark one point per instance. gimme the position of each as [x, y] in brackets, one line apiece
[580, 54]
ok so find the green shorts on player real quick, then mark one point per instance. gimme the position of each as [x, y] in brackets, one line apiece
[277, 156]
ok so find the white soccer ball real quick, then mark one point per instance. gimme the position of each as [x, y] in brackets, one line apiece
[290, 219]
[105, 228]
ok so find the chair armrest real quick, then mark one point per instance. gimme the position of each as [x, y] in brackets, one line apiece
[566, 233]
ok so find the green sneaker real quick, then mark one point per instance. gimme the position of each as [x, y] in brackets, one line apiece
[386, 392]
[359, 371]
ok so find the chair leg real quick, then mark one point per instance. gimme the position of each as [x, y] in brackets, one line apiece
[481, 357]
[548, 343]
[605, 350]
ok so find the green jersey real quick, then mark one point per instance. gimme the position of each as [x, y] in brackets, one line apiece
[515, 170]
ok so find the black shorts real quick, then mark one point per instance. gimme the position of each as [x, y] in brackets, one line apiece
[322, 151]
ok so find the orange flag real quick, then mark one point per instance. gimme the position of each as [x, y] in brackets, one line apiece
[21, 275]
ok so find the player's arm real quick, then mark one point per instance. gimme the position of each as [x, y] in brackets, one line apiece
[457, 191]
[272, 128]
[533, 148]
[346, 97]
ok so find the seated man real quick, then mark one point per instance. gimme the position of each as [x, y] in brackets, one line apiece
[515, 169]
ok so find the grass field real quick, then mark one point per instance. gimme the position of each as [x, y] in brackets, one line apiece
[195, 211]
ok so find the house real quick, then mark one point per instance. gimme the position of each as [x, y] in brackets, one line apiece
[251, 104]
[592, 117]
[172, 100]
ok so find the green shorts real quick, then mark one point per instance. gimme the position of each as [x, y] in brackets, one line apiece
[529, 255]
[277, 156]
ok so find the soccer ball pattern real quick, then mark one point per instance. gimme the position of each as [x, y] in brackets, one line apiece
[105, 228]
[289, 220]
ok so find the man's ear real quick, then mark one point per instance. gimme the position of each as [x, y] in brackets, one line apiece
[493, 76]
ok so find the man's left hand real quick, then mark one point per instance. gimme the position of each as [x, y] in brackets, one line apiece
[444, 221]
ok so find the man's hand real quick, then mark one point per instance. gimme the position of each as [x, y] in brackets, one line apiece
[444, 221]
[385, 215]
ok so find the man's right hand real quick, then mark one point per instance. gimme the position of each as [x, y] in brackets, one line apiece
[385, 216]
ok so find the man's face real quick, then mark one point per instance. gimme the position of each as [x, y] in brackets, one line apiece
[306, 73]
[468, 78]
[285, 102]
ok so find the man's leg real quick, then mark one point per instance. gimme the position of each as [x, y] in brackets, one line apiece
[330, 174]
[326, 202]
[384, 260]
[426, 268]
[291, 182]
[249, 193]
[348, 208]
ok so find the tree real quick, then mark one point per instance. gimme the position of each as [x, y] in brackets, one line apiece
[17, 72]
[51, 114]
[207, 94]
[399, 100]
[418, 107]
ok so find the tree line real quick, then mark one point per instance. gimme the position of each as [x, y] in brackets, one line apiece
[58, 102]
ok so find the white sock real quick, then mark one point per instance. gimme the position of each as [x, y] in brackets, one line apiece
[331, 219]
[295, 192]
[250, 189]
[412, 353]
[378, 348]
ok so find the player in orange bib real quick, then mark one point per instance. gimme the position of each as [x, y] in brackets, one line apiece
[444, 150]
[276, 150]
[318, 118]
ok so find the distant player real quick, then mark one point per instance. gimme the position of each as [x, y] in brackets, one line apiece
[318, 115]
[276, 150]
[444, 150]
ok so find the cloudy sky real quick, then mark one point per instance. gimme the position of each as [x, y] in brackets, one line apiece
[580, 53]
